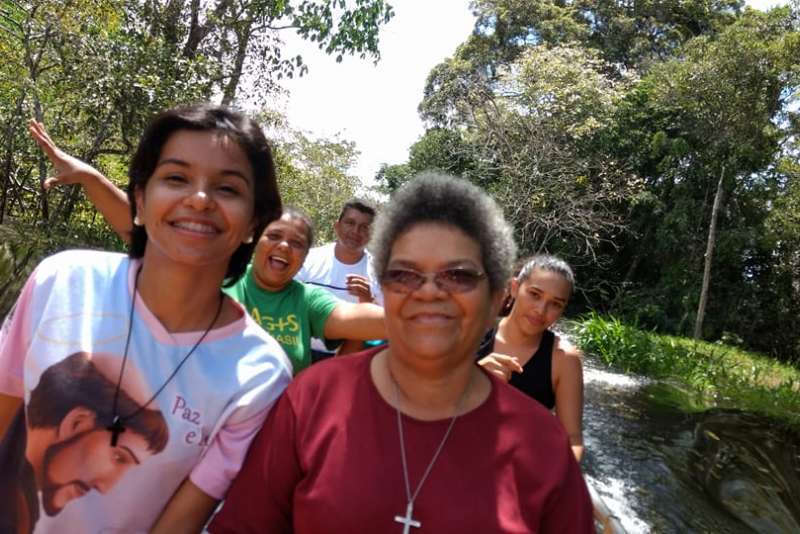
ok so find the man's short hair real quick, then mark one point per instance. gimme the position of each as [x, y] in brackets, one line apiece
[75, 382]
[364, 206]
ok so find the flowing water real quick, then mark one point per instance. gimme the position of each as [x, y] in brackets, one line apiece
[659, 469]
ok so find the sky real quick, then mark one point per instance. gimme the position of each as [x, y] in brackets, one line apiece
[376, 105]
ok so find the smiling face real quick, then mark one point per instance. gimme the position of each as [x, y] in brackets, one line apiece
[430, 323]
[539, 300]
[280, 252]
[197, 206]
[352, 230]
[86, 462]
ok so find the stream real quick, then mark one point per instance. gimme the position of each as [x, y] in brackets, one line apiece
[659, 469]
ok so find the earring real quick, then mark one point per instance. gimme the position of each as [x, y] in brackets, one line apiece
[248, 239]
[137, 221]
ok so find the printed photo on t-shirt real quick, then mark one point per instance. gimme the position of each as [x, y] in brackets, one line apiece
[67, 437]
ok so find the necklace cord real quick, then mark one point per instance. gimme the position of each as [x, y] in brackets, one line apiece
[411, 497]
[127, 343]
[121, 418]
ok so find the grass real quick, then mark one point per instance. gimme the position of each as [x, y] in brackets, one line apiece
[707, 374]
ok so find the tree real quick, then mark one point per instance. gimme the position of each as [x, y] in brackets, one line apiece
[154, 55]
[96, 71]
[722, 96]
[529, 133]
[314, 173]
[439, 149]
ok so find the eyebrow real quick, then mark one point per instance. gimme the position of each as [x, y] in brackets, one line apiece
[181, 163]
[135, 458]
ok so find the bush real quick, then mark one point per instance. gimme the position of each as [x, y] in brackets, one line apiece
[722, 375]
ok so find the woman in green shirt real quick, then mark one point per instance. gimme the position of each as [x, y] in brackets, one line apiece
[292, 312]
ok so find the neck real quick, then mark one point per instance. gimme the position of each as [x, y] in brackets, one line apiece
[430, 393]
[346, 255]
[182, 302]
[511, 333]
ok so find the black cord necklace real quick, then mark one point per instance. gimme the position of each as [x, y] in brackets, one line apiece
[117, 425]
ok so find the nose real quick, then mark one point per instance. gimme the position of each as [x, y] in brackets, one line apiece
[199, 198]
[430, 289]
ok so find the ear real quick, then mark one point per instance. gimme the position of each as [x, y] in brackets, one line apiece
[251, 232]
[77, 420]
[138, 197]
[514, 287]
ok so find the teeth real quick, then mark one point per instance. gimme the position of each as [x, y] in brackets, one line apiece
[279, 259]
[195, 227]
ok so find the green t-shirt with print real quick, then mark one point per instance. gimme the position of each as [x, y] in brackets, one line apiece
[292, 315]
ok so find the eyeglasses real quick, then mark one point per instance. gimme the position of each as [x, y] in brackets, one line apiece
[456, 280]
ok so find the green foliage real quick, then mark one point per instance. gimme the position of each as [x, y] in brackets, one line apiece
[712, 374]
[439, 149]
[603, 129]
[96, 71]
[630, 35]
[532, 134]
[313, 173]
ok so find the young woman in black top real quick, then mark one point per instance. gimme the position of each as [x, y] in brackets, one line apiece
[532, 358]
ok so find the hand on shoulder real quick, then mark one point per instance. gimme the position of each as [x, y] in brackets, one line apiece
[501, 365]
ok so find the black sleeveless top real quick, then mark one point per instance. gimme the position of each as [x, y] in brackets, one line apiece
[536, 379]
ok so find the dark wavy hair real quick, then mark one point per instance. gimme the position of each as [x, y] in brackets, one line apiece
[239, 128]
[75, 382]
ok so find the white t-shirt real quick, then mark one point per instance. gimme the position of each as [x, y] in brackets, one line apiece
[321, 268]
[69, 329]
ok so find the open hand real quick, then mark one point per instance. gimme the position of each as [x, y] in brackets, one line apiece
[69, 169]
[501, 365]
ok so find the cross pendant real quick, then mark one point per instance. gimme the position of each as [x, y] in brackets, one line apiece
[407, 520]
[116, 429]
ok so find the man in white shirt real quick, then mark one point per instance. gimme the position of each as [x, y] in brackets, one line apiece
[344, 267]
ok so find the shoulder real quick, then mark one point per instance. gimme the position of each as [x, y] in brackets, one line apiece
[320, 253]
[317, 293]
[563, 345]
[74, 260]
[565, 354]
[74, 266]
[331, 377]
[255, 344]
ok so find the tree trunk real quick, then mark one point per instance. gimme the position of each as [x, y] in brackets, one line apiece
[229, 93]
[712, 235]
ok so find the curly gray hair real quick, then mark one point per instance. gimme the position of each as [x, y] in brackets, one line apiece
[439, 198]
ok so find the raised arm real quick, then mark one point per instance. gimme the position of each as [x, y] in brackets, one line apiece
[568, 370]
[355, 321]
[110, 201]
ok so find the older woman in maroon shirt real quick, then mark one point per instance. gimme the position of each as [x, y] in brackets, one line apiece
[415, 437]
